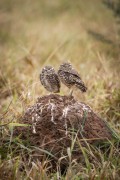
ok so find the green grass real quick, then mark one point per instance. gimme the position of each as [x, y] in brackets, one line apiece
[41, 33]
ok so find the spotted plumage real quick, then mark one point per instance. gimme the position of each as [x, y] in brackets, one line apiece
[70, 77]
[49, 79]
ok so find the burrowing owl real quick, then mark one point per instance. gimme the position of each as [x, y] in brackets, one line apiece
[70, 77]
[49, 79]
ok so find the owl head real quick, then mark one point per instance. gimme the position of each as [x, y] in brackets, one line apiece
[65, 67]
[48, 69]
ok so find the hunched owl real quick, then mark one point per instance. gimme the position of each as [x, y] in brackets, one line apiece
[49, 79]
[70, 77]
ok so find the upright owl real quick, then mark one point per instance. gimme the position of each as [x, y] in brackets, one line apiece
[70, 77]
[49, 79]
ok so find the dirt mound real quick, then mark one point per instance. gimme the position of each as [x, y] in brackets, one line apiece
[55, 123]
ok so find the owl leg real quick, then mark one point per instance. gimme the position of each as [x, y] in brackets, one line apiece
[71, 92]
[48, 93]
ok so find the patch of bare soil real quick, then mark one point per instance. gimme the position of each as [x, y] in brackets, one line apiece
[57, 122]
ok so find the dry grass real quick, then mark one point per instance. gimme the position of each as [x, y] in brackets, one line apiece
[35, 34]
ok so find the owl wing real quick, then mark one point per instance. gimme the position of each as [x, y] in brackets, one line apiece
[72, 73]
[75, 73]
[57, 80]
[41, 79]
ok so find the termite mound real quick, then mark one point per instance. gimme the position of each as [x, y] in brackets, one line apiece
[55, 123]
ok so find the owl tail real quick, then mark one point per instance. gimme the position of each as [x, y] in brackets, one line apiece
[80, 84]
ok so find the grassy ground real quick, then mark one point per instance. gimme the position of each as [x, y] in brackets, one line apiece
[34, 34]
